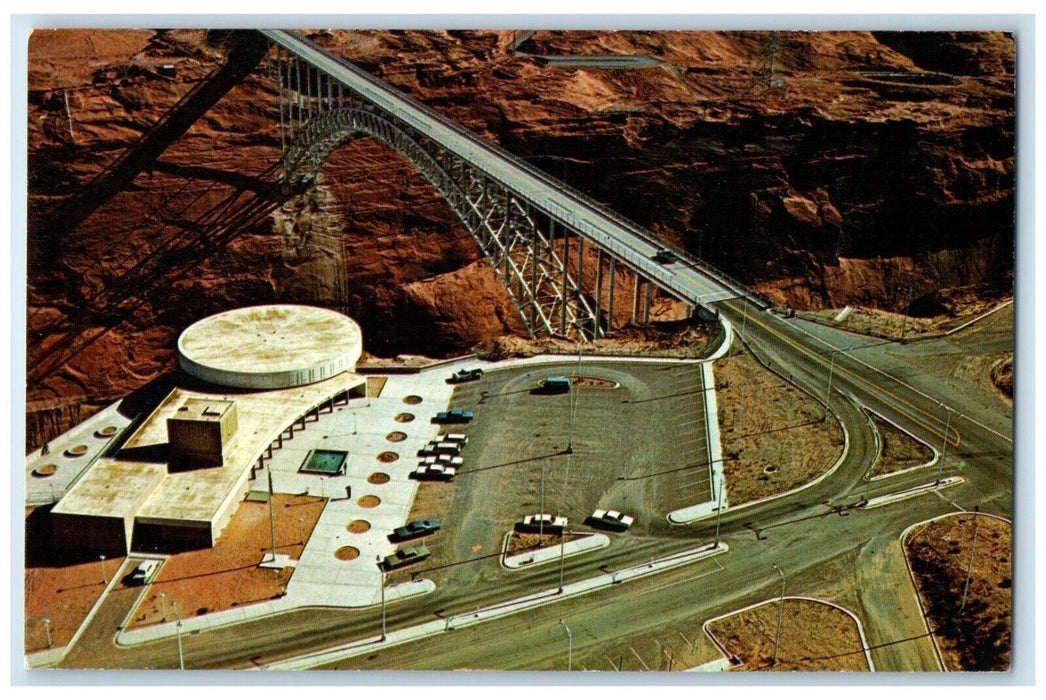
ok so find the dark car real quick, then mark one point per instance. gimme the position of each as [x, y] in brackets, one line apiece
[465, 375]
[456, 415]
[406, 556]
[665, 256]
[414, 530]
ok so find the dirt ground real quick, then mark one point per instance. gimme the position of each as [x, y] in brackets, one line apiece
[64, 595]
[227, 576]
[958, 307]
[814, 637]
[899, 450]
[678, 339]
[774, 436]
[975, 637]
[522, 541]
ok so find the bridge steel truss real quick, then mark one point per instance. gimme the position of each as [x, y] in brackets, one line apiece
[562, 282]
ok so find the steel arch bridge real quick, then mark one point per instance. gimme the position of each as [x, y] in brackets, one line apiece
[561, 256]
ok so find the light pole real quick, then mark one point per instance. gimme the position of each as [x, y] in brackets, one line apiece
[969, 567]
[719, 510]
[178, 632]
[47, 630]
[541, 508]
[562, 557]
[944, 445]
[301, 530]
[382, 598]
[570, 644]
[780, 614]
[105, 579]
[163, 605]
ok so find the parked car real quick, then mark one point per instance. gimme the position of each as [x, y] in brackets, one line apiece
[465, 375]
[439, 448]
[406, 556]
[450, 460]
[414, 530]
[556, 385]
[665, 256]
[434, 472]
[459, 438]
[611, 519]
[455, 415]
[144, 573]
[542, 521]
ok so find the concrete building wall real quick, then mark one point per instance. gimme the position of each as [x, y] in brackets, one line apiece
[91, 533]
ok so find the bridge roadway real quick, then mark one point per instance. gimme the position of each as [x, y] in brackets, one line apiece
[688, 279]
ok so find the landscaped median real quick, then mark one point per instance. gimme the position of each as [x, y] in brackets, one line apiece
[569, 544]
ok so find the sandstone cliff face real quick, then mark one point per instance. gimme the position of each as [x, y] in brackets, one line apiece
[822, 172]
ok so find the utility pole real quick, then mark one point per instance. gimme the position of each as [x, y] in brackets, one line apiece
[301, 529]
[105, 579]
[570, 644]
[47, 630]
[163, 605]
[969, 567]
[780, 614]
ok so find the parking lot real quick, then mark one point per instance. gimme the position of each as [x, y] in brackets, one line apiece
[637, 446]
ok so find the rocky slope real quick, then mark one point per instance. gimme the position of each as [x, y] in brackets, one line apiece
[824, 168]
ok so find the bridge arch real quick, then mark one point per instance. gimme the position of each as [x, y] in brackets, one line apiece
[546, 295]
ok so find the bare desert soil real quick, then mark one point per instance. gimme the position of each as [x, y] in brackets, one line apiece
[228, 576]
[898, 450]
[975, 637]
[64, 594]
[774, 436]
[940, 313]
[814, 637]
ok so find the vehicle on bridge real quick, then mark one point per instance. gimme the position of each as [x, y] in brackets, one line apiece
[610, 520]
[465, 375]
[665, 256]
[414, 530]
[406, 556]
[542, 521]
[455, 415]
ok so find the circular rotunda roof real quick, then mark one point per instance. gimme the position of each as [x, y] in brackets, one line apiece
[270, 347]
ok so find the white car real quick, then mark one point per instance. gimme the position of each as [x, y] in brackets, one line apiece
[543, 521]
[144, 572]
[612, 519]
[451, 460]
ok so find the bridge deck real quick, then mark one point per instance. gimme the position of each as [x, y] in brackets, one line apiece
[686, 279]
